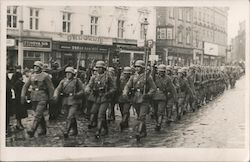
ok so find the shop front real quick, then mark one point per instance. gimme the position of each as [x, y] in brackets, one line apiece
[34, 49]
[179, 56]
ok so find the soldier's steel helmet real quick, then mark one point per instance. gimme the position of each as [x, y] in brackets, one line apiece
[39, 64]
[100, 64]
[127, 70]
[111, 69]
[70, 70]
[140, 63]
[161, 67]
[182, 70]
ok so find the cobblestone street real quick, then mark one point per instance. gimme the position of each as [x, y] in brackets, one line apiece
[219, 124]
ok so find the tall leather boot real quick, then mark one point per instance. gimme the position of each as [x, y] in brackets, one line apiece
[99, 129]
[141, 131]
[92, 121]
[34, 128]
[105, 126]
[43, 127]
[159, 122]
[74, 128]
[67, 128]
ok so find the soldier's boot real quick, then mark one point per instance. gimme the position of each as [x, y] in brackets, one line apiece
[105, 127]
[99, 129]
[141, 131]
[92, 121]
[67, 128]
[74, 128]
[179, 113]
[35, 125]
[43, 127]
[159, 122]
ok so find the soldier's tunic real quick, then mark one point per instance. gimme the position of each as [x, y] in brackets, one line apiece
[102, 87]
[42, 91]
[165, 88]
[71, 91]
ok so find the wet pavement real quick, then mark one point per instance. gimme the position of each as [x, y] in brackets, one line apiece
[219, 124]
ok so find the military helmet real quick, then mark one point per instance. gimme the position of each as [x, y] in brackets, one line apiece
[161, 67]
[100, 64]
[38, 64]
[70, 70]
[140, 63]
[111, 69]
[127, 70]
[181, 70]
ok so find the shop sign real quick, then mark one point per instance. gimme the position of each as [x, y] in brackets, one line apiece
[80, 38]
[10, 42]
[153, 57]
[210, 49]
[183, 51]
[37, 44]
[81, 48]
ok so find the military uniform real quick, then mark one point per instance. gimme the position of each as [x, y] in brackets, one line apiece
[140, 101]
[102, 87]
[164, 89]
[41, 93]
[71, 90]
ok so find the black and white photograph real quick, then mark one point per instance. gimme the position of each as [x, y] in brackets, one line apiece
[125, 75]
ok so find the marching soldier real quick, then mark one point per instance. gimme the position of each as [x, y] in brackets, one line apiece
[141, 97]
[124, 101]
[183, 90]
[71, 90]
[103, 87]
[41, 93]
[164, 87]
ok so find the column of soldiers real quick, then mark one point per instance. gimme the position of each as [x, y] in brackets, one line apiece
[169, 91]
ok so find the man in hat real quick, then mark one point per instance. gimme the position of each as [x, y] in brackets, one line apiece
[71, 89]
[102, 87]
[141, 97]
[41, 93]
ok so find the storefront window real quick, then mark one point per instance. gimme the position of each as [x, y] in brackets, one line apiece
[93, 25]
[12, 17]
[34, 19]
[120, 28]
[66, 22]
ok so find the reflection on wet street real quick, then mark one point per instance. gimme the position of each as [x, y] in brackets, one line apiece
[219, 124]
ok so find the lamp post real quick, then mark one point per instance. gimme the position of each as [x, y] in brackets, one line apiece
[145, 29]
[20, 41]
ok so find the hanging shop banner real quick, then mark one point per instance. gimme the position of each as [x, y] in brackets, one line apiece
[210, 49]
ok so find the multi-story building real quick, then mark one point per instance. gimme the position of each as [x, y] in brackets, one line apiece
[66, 34]
[187, 35]
[238, 44]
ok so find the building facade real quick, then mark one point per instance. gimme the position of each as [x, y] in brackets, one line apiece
[70, 33]
[191, 35]
[239, 44]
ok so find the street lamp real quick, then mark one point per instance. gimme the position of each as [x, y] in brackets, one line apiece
[145, 29]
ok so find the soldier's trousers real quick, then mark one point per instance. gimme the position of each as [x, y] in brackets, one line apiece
[143, 109]
[169, 108]
[159, 108]
[124, 108]
[39, 107]
[70, 110]
[181, 106]
[99, 109]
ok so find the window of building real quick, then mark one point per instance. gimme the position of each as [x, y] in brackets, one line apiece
[66, 22]
[94, 25]
[170, 33]
[180, 37]
[200, 16]
[188, 16]
[12, 17]
[161, 33]
[34, 19]
[188, 38]
[171, 12]
[120, 28]
[180, 14]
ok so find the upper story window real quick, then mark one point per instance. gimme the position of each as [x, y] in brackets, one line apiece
[188, 16]
[94, 25]
[161, 33]
[34, 19]
[171, 12]
[180, 37]
[120, 33]
[12, 17]
[180, 14]
[188, 37]
[66, 22]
